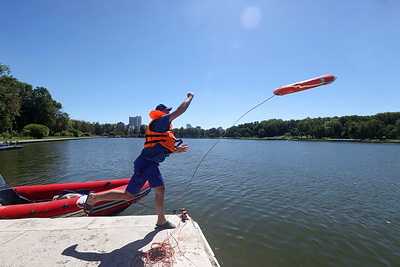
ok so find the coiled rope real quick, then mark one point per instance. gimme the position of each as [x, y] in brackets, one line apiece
[161, 253]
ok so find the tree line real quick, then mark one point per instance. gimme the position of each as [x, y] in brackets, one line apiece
[380, 126]
[24, 110]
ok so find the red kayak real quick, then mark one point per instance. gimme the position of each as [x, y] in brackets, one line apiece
[61, 200]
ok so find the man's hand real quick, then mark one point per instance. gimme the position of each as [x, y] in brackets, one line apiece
[182, 107]
[181, 148]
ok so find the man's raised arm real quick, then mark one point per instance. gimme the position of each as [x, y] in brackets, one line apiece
[182, 107]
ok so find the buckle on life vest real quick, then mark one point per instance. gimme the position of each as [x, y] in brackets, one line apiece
[179, 142]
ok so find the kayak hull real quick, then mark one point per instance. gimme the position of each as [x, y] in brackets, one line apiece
[62, 200]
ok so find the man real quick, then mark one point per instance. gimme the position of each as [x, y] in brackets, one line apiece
[159, 143]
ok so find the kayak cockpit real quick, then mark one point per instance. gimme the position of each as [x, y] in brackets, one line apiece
[9, 196]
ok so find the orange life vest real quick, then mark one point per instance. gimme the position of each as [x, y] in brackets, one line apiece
[166, 139]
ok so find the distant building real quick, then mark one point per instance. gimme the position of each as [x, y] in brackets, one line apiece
[120, 127]
[188, 126]
[135, 122]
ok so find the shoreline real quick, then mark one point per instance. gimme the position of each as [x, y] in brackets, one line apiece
[27, 141]
[391, 141]
[378, 141]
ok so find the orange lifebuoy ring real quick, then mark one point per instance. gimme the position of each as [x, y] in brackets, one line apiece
[304, 85]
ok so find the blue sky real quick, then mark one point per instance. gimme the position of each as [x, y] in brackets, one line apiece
[107, 60]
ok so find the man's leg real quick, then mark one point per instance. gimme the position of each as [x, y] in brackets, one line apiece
[160, 191]
[116, 194]
[135, 184]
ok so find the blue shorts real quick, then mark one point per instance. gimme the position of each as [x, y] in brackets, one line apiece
[144, 170]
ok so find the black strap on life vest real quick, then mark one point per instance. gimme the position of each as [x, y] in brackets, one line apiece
[179, 142]
[155, 141]
[155, 135]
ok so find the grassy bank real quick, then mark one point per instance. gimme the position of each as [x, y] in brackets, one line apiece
[46, 139]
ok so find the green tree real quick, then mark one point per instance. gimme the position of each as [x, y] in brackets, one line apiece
[4, 70]
[76, 133]
[108, 128]
[230, 132]
[62, 122]
[10, 103]
[213, 133]
[387, 118]
[362, 131]
[318, 131]
[27, 106]
[45, 108]
[333, 128]
[396, 129]
[142, 129]
[304, 127]
[83, 126]
[261, 133]
[37, 130]
[351, 129]
[374, 128]
[98, 129]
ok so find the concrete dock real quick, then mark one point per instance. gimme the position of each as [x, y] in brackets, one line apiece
[102, 241]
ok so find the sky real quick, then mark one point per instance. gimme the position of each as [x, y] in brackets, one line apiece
[107, 60]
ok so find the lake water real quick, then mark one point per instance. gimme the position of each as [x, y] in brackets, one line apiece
[259, 203]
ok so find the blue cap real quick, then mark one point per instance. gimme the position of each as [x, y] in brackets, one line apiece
[162, 107]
